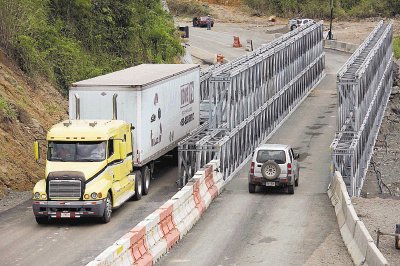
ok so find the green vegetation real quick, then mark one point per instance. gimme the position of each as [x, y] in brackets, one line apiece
[7, 111]
[321, 8]
[188, 8]
[71, 40]
[396, 47]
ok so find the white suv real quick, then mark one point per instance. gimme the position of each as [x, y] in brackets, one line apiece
[274, 165]
[295, 23]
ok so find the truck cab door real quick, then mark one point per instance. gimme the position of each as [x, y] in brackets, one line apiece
[113, 167]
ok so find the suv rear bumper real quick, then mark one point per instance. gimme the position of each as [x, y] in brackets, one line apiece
[68, 209]
[278, 182]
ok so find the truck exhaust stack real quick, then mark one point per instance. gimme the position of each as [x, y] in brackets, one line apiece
[115, 106]
[78, 107]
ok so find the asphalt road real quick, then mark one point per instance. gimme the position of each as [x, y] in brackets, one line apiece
[272, 227]
[65, 242]
[205, 44]
[239, 228]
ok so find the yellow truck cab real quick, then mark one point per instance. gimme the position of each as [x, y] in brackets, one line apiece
[89, 170]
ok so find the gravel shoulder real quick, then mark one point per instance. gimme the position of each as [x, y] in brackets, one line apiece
[14, 198]
[383, 214]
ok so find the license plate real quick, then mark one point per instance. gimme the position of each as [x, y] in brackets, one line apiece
[270, 184]
[65, 215]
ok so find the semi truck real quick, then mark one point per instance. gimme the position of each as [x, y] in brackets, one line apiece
[118, 125]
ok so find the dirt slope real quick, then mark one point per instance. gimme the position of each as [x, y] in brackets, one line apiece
[37, 106]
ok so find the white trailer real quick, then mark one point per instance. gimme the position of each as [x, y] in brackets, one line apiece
[160, 100]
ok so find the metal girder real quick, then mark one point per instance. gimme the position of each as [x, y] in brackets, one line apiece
[364, 85]
[250, 97]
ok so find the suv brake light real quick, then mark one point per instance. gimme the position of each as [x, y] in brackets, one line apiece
[252, 168]
[289, 168]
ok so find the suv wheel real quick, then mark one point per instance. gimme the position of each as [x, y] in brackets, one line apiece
[270, 170]
[290, 189]
[252, 188]
[293, 27]
[296, 182]
[42, 220]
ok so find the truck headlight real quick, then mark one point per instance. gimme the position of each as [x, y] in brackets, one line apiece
[37, 195]
[94, 195]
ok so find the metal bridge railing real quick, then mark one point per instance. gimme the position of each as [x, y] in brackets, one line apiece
[250, 97]
[364, 86]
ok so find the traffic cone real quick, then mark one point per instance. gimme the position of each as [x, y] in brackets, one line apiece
[236, 42]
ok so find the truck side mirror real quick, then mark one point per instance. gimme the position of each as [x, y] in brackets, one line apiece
[122, 149]
[36, 150]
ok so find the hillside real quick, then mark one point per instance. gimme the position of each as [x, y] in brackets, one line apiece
[45, 45]
[343, 9]
[27, 109]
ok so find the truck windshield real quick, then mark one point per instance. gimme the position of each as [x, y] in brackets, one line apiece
[69, 151]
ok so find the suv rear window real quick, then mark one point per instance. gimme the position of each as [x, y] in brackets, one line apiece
[265, 155]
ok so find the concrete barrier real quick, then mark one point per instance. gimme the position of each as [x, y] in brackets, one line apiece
[356, 237]
[340, 46]
[153, 237]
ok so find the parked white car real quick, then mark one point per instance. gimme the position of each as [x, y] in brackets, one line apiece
[295, 23]
[274, 165]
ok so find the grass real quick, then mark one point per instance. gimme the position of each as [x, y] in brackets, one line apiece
[7, 110]
[188, 8]
[396, 47]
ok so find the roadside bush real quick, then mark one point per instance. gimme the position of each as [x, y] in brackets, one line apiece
[321, 8]
[188, 8]
[7, 110]
[71, 40]
[370, 8]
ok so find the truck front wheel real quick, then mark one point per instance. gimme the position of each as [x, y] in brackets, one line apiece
[138, 185]
[107, 210]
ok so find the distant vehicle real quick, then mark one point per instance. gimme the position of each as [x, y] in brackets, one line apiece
[295, 23]
[274, 165]
[202, 21]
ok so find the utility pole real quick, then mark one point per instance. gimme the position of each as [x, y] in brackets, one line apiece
[330, 35]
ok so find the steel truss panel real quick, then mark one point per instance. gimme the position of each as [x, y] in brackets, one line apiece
[364, 86]
[250, 97]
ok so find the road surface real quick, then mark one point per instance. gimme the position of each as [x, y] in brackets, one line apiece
[272, 227]
[64, 242]
[241, 226]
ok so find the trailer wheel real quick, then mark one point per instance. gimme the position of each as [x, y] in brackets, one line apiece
[42, 220]
[138, 185]
[107, 210]
[146, 179]
[175, 156]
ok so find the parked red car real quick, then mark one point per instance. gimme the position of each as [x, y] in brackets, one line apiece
[202, 21]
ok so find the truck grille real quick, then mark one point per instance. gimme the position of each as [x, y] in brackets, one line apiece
[65, 188]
